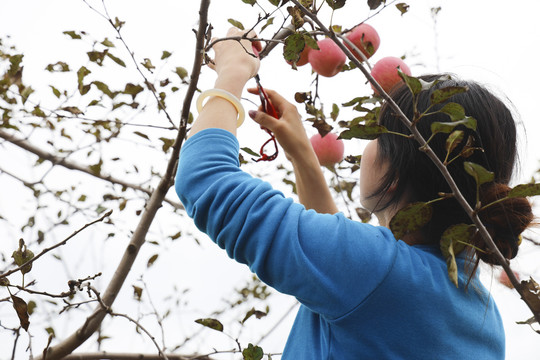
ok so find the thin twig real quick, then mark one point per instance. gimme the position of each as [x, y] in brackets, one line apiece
[69, 164]
[93, 322]
[63, 242]
[125, 316]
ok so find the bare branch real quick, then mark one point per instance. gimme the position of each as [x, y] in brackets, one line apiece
[127, 356]
[110, 312]
[93, 322]
[72, 165]
[63, 242]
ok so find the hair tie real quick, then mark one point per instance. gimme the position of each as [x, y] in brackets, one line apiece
[224, 94]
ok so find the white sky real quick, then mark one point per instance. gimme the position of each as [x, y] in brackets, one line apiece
[491, 41]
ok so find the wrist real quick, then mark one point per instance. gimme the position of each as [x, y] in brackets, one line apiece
[231, 82]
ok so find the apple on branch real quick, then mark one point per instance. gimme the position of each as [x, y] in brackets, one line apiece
[303, 60]
[505, 280]
[328, 60]
[385, 72]
[329, 149]
[365, 38]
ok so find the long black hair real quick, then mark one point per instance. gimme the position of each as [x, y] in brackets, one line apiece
[412, 173]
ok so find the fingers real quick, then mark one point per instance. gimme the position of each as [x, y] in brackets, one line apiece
[264, 119]
[279, 102]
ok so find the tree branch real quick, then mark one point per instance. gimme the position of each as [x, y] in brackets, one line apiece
[63, 242]
[93, 322]
[127, 356]
[72, 165]
[423, 144]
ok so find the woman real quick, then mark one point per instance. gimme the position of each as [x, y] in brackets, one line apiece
[364, 295]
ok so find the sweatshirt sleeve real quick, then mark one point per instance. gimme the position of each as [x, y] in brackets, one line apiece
[328, 262]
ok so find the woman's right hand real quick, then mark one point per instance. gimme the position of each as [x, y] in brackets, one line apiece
[288, 129]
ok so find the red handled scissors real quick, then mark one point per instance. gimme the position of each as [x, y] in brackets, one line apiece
[268, 108]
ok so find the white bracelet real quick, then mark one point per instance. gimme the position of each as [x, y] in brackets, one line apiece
[227, 96]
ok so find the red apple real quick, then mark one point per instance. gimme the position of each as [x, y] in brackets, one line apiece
[385, 72]
[329, 149]
[505, 280]
[328, 60]
[303, 57]
[365, 38]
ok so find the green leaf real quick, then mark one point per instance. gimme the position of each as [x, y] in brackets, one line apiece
[453, 140]
[104, 88]
[524, 190]
[453, 241]
[133, 90]
[107, 43]
[448, 127]
[236, 24]
[116, 59]
[137, 292]
[97, 56]
[181, 72]
[21, 308]
[250, 2]
[335, 112]
[148, 64]
[81, 74]
[252, 353]
[59, 66]
[275, 2]
[31, 307]
[152, 259]
[167, 143]
[258, 314]
[250, 152]
[310, 41]
[412, 83]
[480, 174]
[402, 7]
[118, 24]
[165, 54]
[55, 91]
[21, 256]
[294, 44]
[210, 323]
[72, 34]
[373, 4]
[410, 219]
[360, 131]
[336, 4]
[143, 135]
[297, 16]
[441, 95]
[73, 110]
[454, 110]
[269, 22]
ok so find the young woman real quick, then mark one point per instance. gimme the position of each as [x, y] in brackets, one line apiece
[364, 294]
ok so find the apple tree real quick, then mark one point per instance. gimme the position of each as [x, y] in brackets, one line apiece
[103, 138]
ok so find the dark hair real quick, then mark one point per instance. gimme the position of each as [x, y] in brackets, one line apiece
[412, 173]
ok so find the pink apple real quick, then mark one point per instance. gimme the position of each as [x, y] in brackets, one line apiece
[505, 280]
[329, 149]
[365, 38]
[386, 74]
[328, 60]
[303, 57]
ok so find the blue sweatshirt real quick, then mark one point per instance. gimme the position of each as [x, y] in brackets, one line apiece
[364, 295]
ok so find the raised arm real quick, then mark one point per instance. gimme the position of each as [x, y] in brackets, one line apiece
[235, 63]
[311, 186]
